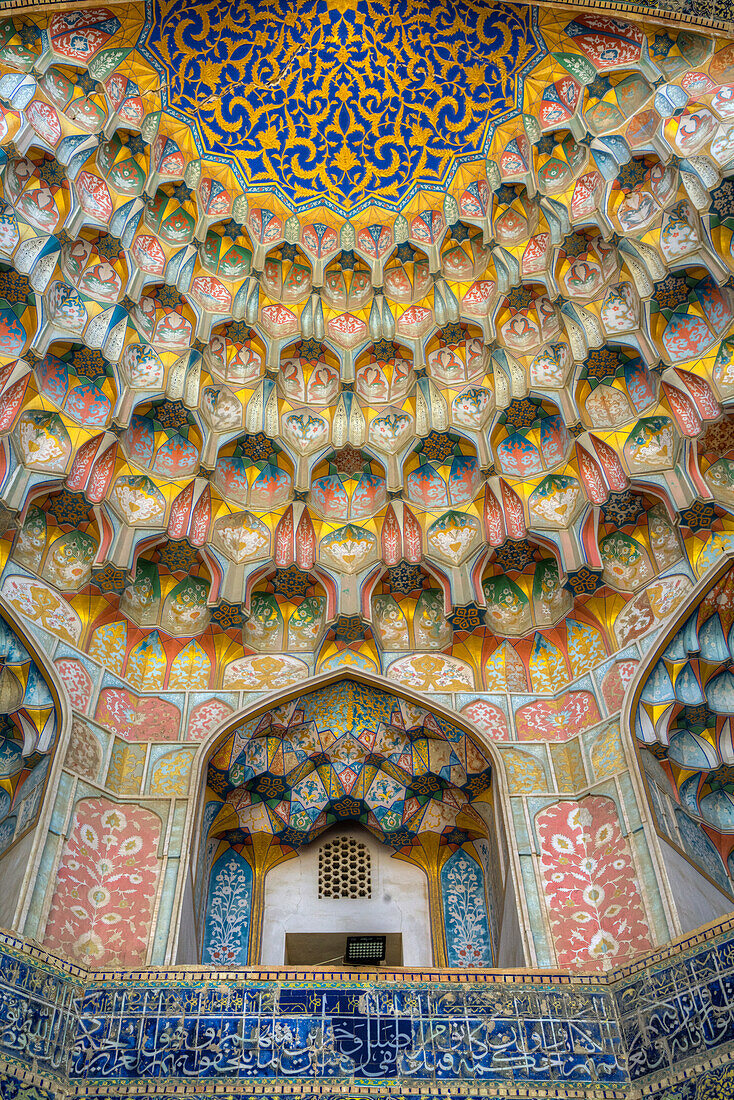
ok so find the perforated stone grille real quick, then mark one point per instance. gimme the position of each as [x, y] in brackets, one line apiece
[344, 869]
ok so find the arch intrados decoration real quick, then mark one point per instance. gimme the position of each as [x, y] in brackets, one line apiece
[694, 598]
[430, 847]
[54, 681]
[50, 745]
[276, 698]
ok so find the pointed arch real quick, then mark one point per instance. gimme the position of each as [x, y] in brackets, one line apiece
[679, 703]
[467, 769]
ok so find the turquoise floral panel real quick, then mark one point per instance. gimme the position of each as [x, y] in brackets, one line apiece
[227, 927]
[468, 942]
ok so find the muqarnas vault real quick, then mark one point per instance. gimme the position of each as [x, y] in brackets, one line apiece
[366, 549]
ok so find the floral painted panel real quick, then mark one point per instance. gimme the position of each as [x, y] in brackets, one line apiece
[468, 942]
[170, 775]
[595, 907]
[488, 718]
[138, 718]
[102, 907]
[607, 754]
[556, 719]
[585, 646]
[77, 682]
[615, 683]
[205, 717]
[84, 754]
[227, 927]
[125, 773]
[108, 645]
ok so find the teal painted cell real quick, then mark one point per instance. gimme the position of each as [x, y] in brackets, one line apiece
[37, 692]
[684, 642]
[689, 793]
[720, 693]
[227, 927]
[11, 647]
[712, 640]
[693, 752]
[658, 688]
[718, 809]
[687, 688]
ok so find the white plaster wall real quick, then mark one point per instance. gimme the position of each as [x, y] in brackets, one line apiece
[399, 902]
[697, 900]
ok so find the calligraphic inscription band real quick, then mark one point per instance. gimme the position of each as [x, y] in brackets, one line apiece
[608, 1036]
[440, 1033]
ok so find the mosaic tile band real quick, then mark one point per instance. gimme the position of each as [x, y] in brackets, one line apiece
[716, 14]
[659, 1018]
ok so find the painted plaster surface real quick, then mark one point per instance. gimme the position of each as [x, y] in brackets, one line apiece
[586, 864]
[226, 933]
[468, 938]
[102, 905]
[367, 463]
[351, 145]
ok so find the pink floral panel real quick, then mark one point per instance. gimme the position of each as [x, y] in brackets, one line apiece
[138, 717]
[205, 717]
[488, 718]
[77, 682]
[615, 683]
[557, 719]
[102, 907]
[596, 912]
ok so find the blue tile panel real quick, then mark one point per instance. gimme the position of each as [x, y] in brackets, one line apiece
[630, 1033]
[421, 1033]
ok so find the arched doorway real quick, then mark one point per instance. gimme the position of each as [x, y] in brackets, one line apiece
[348, 761]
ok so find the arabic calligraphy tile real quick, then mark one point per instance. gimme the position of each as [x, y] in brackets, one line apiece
[167, 1028]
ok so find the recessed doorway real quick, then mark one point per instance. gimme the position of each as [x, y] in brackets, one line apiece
[345, 883]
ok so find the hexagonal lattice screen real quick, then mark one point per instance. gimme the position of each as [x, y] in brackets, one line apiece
[344, 869]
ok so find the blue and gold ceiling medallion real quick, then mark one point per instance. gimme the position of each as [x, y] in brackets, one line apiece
[342, 102]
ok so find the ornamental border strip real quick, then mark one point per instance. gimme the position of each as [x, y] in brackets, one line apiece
[652, 13]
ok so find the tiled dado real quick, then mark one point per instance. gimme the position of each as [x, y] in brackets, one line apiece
[653, 1026]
